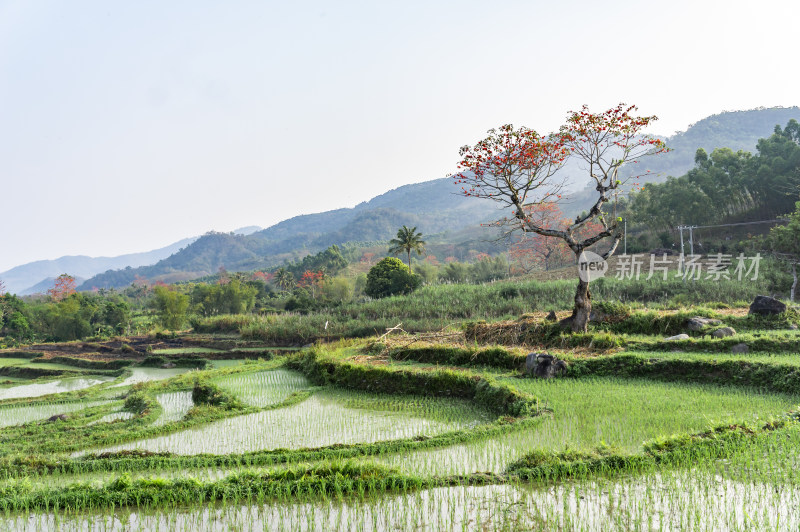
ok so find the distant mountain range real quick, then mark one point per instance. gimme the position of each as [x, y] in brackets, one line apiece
[38, 277]
[434, 207]
[25, 279]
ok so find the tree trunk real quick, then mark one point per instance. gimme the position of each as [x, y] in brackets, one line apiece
[583, 307]
[794, 284]
[409, 260]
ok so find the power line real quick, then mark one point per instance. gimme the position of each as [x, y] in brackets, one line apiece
[739, 223]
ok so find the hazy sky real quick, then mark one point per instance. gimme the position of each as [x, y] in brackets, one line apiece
[125, 126]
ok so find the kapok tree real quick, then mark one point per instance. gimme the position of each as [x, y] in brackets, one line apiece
[517, 168]
[63, 287]
[532, 251]
[311, 280]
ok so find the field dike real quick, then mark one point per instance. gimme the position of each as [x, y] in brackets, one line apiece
[642, 330]
[338, 477]
[774, 377]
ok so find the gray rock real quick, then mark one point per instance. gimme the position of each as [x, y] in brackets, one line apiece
[724, 332]
[698, 323]
[168, 365]
[740, 348]
[551, 316]
[545, 366]
[530, 362]
[766, 306]
[682, 336]
[58, 417]
[793, 326]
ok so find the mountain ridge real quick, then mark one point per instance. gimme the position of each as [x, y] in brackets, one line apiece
[21, 279]
[433, 206]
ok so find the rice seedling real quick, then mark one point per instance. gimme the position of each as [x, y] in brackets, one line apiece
[113, 416]
[19, 414]
[10, 361]
[174, 406]
[606, 413]
[186, 351]
[659, 501]
[150, 374]
[52, 387]
[226, 363]
[264, 387]
[326, 418]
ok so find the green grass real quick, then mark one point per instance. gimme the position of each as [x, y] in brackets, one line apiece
[13, 361]
[432, 308]
[762, 357]
[186, 351]
[227, 363]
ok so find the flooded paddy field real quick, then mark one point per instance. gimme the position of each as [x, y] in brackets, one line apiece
[335, 439]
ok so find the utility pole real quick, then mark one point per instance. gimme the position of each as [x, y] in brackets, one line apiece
[691, 242]
[625, 240]
[680, 263]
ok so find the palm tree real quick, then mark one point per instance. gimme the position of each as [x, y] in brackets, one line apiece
[284, 278]
[407, 240]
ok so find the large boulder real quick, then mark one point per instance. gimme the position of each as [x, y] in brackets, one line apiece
[58, 417]
[698, 323]
[677, 337]
[766, 306]
[530, 362]
[724, 332]
[740, 348]
[545, 366]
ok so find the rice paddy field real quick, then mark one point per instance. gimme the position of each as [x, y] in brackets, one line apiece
[410, 434]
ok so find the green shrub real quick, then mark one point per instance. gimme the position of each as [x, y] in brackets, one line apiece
[390, 277]
[205, 393]
[496, 357]
[172, 307]
[137, 402]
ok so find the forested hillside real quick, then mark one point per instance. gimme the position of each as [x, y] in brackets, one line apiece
[735, 130]
[726, 184]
